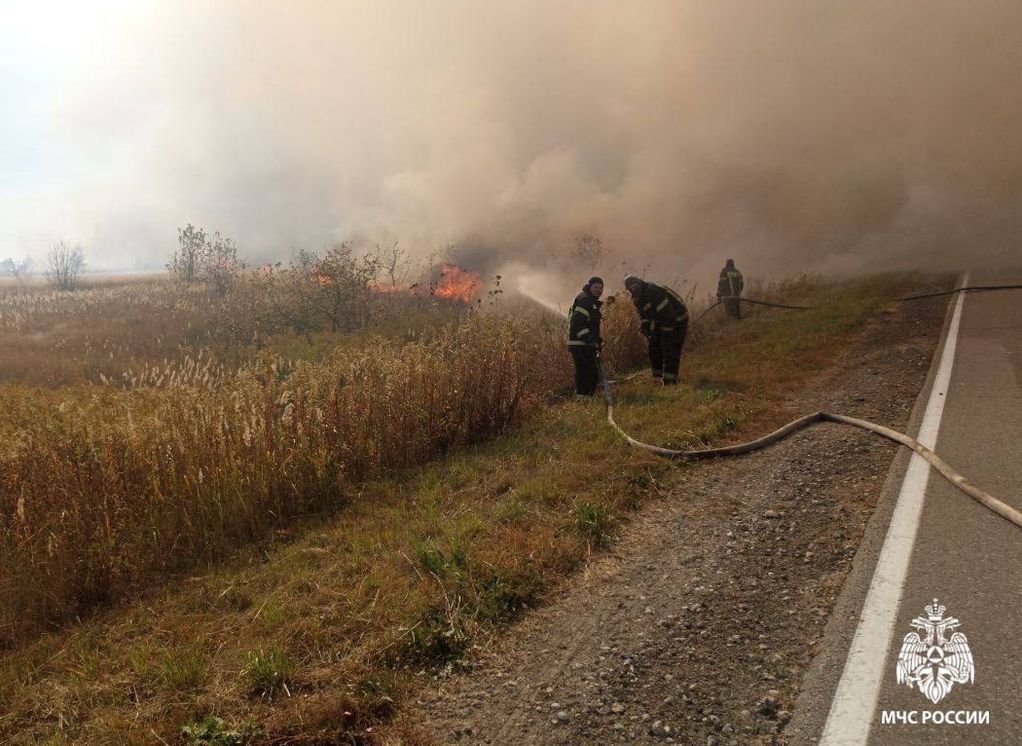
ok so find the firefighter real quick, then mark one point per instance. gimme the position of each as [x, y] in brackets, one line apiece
[729, 289]
[584, 341]
[663, 321]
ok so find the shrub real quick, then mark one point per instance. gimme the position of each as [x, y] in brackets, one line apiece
[207, 257]
[439, 637]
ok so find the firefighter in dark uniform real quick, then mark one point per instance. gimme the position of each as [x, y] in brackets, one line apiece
[663, 320]
[584, 339]
[729, 289]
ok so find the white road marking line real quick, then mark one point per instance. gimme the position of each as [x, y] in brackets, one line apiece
[851, 712]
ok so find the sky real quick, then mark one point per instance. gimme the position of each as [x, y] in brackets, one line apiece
[793, 135]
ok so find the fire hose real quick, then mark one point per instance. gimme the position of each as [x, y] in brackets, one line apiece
[984, 498]
[755, 303]
[946, 470]
[970, 288]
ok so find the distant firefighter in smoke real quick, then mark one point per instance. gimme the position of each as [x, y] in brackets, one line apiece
[584, 341]
[664, 322]
[729, 289]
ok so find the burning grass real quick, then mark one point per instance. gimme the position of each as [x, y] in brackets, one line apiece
[448, 282]
[316, 633]
[111, 330]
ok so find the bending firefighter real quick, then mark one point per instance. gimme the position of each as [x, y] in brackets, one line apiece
[664, 322]
[729, 289]
[584, 340]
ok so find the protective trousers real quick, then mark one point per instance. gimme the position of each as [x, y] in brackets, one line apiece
[586, 370]
[733, 307]
[665, 353]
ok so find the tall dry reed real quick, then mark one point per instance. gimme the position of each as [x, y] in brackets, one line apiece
[104, 493]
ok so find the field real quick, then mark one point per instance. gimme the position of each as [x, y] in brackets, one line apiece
[216, 519]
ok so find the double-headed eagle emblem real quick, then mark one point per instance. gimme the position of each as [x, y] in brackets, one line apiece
[935, 662]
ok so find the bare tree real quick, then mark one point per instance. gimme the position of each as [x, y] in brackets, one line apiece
[588, 251]
[394, 264]
[22, 270]
[64, 265]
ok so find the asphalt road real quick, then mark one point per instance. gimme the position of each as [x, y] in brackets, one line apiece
[958, 552]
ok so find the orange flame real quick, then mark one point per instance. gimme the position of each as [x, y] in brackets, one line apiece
[458, 284]
[452, 283]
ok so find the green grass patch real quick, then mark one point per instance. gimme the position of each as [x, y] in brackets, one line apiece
[593, 522]
[269, 672]
[183, 668]
[214, 731]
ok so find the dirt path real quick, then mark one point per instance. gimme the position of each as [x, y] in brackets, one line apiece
[698, 626]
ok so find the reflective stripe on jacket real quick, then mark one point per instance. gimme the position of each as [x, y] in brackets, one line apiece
[730, 283]
[584, 321]
[660, 308]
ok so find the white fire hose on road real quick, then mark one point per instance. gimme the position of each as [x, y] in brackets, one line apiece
[984, 498]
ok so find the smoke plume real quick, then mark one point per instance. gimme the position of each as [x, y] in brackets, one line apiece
[788, 134]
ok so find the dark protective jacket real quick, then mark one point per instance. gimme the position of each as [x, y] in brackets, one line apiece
[730, 284]
[584, 321]
[660, 309]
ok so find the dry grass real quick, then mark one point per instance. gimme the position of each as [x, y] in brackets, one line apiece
[105, 488]
[317, 634]
[51, 338]
[117, 326]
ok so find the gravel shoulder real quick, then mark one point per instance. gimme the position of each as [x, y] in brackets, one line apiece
[699, 625]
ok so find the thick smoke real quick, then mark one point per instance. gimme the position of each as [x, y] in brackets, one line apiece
[791, 135]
